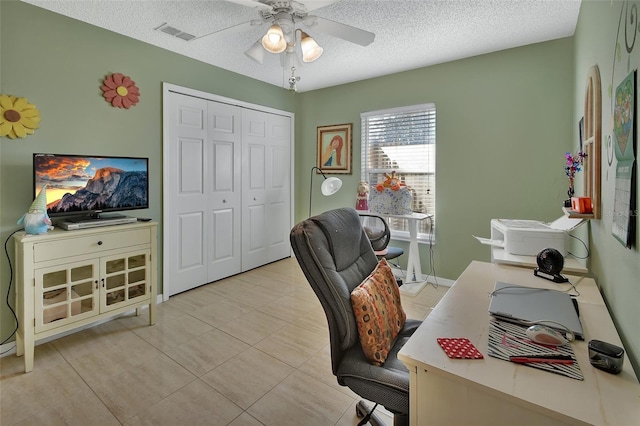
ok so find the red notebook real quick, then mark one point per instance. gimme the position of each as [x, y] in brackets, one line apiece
[459, 347]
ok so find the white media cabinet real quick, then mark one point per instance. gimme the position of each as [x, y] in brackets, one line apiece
[69, 279]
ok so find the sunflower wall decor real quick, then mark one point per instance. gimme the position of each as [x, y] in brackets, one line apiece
[18, 118]
[120, 91]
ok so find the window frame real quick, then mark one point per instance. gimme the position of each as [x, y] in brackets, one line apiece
[426, 108]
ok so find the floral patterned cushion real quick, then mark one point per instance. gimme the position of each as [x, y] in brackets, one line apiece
[379, 314]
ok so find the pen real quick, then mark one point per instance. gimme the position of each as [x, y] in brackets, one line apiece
[546, 356]
[549, 360]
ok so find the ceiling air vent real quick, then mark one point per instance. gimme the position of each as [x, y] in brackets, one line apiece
[172, 31]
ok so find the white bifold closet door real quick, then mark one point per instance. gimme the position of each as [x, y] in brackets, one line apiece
[228, 191]
[265, 188]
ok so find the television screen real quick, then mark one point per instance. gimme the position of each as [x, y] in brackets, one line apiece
[81, 184]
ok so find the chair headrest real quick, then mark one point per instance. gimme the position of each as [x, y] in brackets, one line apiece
[343, 231]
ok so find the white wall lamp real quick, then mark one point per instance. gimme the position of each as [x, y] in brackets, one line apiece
[329, 186]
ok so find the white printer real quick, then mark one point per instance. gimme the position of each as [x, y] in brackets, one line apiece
[529, 237]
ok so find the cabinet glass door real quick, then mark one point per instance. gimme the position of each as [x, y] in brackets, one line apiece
[125, 280]
[66, 293]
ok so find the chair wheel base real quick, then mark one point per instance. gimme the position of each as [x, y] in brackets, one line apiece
[363, 410]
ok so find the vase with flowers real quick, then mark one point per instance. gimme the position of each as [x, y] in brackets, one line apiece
[573, 165]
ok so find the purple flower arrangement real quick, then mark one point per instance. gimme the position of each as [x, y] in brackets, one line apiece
[574, 163]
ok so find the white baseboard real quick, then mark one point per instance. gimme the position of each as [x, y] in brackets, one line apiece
[413, 288]
[7, 349]
[430, 279]
[440, 281]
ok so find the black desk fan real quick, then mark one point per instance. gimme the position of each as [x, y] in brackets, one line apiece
[550, 263]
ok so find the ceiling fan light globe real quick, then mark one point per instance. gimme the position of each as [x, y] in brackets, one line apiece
[312, 55]
[274, 41]
[330, 186]
[310, 49]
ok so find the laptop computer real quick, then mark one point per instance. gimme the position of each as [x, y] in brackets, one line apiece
[523, 305]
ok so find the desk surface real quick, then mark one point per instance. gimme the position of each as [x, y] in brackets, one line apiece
[601, 398]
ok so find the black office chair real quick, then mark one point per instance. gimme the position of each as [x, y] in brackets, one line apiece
[379, 233]
[335, 255]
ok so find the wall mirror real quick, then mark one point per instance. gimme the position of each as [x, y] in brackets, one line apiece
[592, 144]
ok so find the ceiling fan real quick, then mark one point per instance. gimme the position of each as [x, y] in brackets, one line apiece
[284, 16]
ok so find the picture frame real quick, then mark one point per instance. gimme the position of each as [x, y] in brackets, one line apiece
[334, 149]
[581, 134]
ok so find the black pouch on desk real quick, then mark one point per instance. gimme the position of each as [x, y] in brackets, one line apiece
[606, 356]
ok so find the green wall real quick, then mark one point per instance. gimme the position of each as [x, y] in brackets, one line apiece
[504, 121]
[600, 40]
[58, 64]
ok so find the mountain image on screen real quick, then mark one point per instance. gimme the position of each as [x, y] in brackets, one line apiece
[110, 188]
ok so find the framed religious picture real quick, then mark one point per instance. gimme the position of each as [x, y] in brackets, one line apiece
[334, 148]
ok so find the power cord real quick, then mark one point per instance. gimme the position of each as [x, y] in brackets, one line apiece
[494, 292]
[6, 251]
[584, 245]
[432, 265]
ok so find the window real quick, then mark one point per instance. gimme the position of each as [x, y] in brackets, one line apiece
[403, 140]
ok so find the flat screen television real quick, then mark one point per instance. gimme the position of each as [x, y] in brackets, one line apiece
[85, 185]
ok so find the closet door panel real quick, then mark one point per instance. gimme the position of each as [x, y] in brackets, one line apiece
[254, 210]
[254, 189]
[190, 242]
[225, 201]
[278, 187]
[278, 230]
[227, 189]
[256, 220]
[223, 245]
[185, 192]
[223, 167]
[256, 173]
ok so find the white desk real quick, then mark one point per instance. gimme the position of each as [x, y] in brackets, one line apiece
[495, 392]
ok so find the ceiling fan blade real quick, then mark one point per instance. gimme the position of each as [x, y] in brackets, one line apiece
[308, 5]
[343, 31]
[254, 4]
[233, 28]
[317, 4]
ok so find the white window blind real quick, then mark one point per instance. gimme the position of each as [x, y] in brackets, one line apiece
[403, 140]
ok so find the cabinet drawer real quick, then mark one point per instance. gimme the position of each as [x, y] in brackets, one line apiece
[89, 244]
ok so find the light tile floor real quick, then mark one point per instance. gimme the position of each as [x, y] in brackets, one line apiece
[247, 350]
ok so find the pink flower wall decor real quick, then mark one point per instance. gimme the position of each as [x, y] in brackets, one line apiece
[120, 91]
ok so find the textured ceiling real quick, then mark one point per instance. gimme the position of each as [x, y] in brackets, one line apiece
[409, 34]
